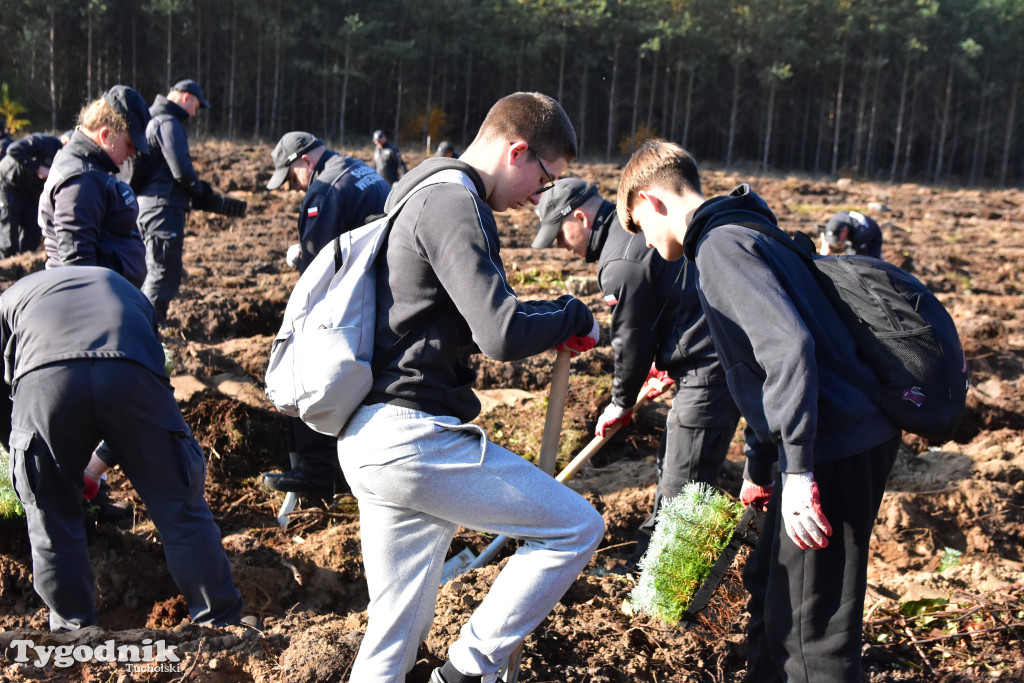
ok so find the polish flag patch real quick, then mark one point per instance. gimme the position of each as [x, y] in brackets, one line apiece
[611, 299]
[312, 211]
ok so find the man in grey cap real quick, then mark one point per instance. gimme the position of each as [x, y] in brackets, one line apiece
[387, 158]
[656, 316]
[851, 232]
[168, 187]
[341, 192]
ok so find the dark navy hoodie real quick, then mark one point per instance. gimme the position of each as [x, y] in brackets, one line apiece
[781, 342]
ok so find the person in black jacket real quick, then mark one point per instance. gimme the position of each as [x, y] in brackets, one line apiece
[168, 187]
[656, 318]
[5, 137]
[387, 159]
[23, 172]
[417, 465]
[86, 214]
[851, 232]
[80, 350]
[782, 345]
[341, 192]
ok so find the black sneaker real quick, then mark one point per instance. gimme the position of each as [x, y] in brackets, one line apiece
[297, 481]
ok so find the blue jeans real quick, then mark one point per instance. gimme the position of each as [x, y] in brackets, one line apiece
[418, 478]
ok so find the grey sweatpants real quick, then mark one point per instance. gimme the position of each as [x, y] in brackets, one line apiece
[60, 412]
[418, 478]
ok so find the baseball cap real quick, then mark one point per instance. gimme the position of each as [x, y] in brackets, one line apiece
[555, 205]
[291, 146]
[130, 104]
[444, 148]
[835, 226]
[378, 135]
[192, 88]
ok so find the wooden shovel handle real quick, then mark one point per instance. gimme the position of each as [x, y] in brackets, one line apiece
[556, 411]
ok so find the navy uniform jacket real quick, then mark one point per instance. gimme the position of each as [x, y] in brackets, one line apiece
[342, 192]
[88, 216]
[18, 170]
[655, 313]
[389, 163]
[173, 180]
[53, 316]
[783, 346]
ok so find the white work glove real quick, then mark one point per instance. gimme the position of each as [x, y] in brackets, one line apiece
[579, 344]
[613, 415]
[753, 495]
[825, 250]
[294, 255]
[801, 511]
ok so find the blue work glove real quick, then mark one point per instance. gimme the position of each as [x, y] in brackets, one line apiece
[801, 511]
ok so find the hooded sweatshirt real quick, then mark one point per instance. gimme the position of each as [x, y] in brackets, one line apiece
[781, 342]
[442, 294]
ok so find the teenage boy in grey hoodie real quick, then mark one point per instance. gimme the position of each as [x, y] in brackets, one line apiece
[419, 469]
[782, 345]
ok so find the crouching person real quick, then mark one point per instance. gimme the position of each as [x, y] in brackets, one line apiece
[81, 352]
[417, 468]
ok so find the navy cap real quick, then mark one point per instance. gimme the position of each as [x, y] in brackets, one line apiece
[835, 227]
[556, 204]
[291, 146]
[192, 88]
[129, 104]
[378, 135]
[445, 148]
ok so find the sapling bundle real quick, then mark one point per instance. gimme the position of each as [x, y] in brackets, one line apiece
[691, 532]
[10, 506]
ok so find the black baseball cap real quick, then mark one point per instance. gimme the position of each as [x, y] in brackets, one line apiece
[192, 88]
[835, 227]
[556, 204]
[130, 104]
[378, 135]
[291, 146]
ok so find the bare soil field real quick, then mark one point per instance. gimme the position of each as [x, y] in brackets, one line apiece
[306, 581]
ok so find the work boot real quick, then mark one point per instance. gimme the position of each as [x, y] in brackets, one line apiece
[297, 481]
[449, 674]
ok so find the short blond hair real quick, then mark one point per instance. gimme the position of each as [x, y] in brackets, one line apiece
[655, 163]
[534, 117]
[99, 113]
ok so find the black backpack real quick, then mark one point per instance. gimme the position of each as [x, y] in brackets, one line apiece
[902, 332]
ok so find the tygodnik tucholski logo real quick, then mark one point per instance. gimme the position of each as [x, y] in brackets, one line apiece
[146, 657]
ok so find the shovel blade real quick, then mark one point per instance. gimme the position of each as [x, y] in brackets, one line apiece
[456, 565]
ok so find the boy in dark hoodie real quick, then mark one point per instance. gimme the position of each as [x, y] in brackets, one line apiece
[782, 345]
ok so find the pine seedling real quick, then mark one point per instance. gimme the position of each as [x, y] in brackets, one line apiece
[691, 532]
[10, 506]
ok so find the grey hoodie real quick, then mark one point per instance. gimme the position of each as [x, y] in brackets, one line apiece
[442, 294]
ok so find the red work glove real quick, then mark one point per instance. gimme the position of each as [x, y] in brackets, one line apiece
[657, 382]
[752, 495]
[801, 511]
[579, 344]
[92, 485]
[613, 415]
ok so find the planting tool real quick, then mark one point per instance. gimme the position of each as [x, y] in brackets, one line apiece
[747, 531]
[291, 499]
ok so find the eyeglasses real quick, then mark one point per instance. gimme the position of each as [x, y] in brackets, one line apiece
[551, 179]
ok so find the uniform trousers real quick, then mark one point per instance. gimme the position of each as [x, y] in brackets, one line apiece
[163, 230]
[60, 412]
[19, 223]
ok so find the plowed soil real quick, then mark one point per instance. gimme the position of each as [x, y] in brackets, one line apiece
[306, 581]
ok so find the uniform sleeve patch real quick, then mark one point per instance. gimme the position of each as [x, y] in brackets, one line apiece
[312, 212]
[611, 299]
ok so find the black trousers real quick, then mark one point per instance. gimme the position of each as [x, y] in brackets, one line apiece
[807, 606]
[19, 226]
[163, 230]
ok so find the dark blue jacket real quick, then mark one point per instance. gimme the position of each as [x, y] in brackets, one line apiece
[342, 192]
[65, 314]
[19, 169]
[173, 180]
[88, 216]
[656, 316]
[781, 342]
